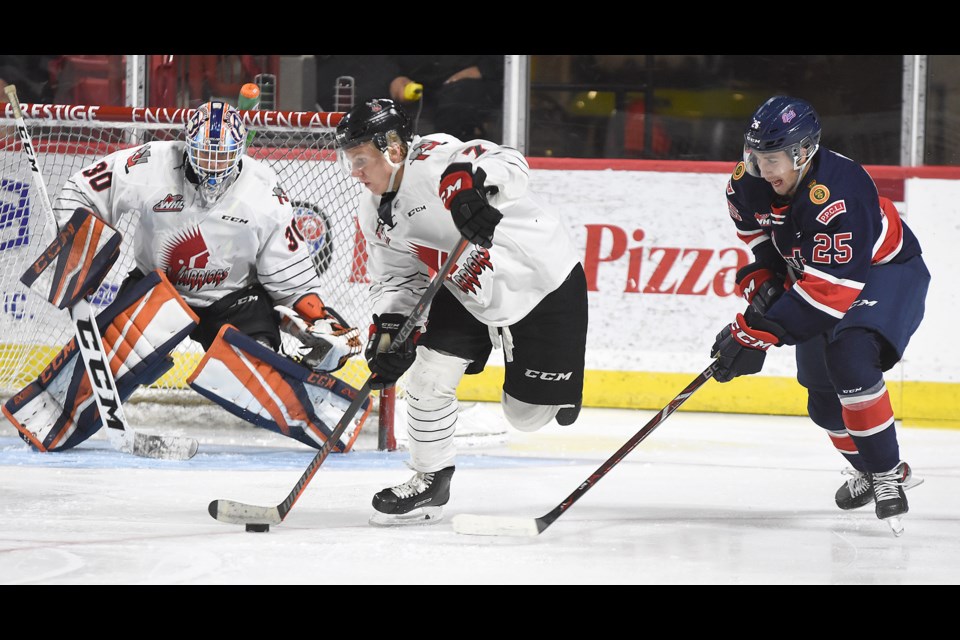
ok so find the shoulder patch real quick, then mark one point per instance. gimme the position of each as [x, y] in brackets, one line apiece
[831, 212]
[140, 157]
[819, 194]
[739, 170]
[730, 190]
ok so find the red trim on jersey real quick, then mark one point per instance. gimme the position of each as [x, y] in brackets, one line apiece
[836, 296]
[893, 240]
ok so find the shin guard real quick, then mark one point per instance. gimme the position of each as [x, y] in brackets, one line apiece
[258, 385]
[57, 411]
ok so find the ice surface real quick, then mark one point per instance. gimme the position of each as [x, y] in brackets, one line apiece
[705, 499]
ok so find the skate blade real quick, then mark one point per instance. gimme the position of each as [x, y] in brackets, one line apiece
[421, 516]
[896, 525]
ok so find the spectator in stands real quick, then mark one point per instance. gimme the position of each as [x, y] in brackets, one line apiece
[460, 93]
[31, 75]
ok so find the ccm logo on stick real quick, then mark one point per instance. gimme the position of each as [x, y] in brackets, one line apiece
[548, 375]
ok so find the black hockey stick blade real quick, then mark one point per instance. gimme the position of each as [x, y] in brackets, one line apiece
[234, 512]
[481, 525]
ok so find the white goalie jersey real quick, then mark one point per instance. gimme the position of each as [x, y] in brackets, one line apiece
[207, 252]
[531, 255]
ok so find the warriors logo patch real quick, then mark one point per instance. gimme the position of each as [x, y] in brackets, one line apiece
[819, 194]
[185, 257]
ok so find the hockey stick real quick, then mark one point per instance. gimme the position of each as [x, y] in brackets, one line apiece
[239, 513]
[478, 525]
[95, 359]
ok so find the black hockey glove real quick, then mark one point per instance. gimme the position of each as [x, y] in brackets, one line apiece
[759, 286]
[741, 346]
[463, 193]
[387, 367]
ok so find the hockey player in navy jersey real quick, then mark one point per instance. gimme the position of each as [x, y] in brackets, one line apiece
[520, 284]
[836, 273]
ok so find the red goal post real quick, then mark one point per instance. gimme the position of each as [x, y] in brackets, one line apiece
[298, 145]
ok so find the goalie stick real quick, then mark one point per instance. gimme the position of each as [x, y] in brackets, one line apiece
[92, 354]
[479, 525]
[233, 512]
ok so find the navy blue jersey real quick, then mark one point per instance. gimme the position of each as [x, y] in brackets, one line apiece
[829, 236]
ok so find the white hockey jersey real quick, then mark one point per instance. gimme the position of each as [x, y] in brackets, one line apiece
[532, 252]
[248, 235]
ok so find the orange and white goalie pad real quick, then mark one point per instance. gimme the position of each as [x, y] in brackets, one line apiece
[77, 260]
[255, 383]
[57, 411]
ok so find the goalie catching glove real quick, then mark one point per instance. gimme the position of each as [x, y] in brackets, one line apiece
[327, 340]
[464, 195]
[388, 365]
[741, 347]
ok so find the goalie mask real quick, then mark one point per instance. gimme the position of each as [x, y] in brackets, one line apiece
[215, 137]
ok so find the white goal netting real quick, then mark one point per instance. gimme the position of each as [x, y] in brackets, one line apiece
[298, 145]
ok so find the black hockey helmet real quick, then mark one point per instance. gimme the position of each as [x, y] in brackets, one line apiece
[782, 123]
[374, 121]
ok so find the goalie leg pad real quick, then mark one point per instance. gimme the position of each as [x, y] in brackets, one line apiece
[57, 411]
[77, 260]
[260, 386]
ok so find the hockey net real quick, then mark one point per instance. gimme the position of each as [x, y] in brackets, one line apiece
[297, 145]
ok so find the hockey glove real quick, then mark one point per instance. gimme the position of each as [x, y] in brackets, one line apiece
[387, 367]
[464, 195]
[327, 342]
[741, 347]
[759, 286]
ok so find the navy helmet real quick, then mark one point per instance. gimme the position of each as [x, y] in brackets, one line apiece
[380, 121]
[782, 123]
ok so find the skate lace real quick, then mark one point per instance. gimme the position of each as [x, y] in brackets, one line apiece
[415, 485]
[858, 484]
[887, 485]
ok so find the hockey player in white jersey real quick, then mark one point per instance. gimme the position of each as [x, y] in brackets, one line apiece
[219, 227]
[520, 286]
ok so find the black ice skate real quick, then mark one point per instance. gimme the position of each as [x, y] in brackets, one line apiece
[855, 492]
[888, 491]
[419, 500]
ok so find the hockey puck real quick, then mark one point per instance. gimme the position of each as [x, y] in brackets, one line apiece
[258, 528]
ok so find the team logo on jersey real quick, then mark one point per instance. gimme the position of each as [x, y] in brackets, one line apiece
[795, 260]
[738, 172]
[734, 213]
[467, 277]
[171, 203]
[831, 212]
[185, 258]
[140, 157]
[280, 194]
[420, 150]
[819, 193]
[763, 219]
